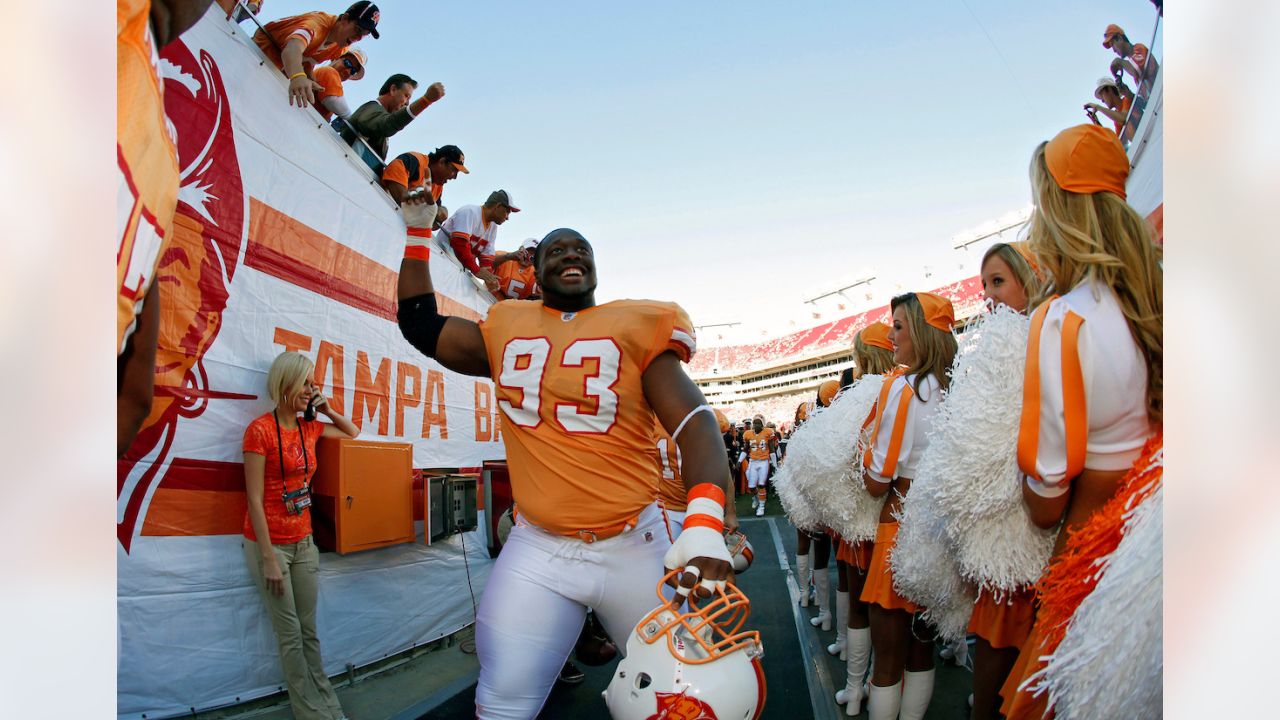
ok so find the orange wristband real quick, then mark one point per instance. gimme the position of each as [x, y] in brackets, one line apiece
[703, 520]
[710, 491]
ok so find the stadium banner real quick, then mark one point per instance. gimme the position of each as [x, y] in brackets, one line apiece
[283, 241]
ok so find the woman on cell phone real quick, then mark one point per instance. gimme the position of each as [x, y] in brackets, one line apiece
[279, 463]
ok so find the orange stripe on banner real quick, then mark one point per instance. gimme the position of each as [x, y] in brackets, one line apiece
[287, 249]
[195, 512]
[1156, 218]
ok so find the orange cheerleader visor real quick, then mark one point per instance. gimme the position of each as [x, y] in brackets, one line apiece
[1088, 159]
[938, 311]
[876, 335]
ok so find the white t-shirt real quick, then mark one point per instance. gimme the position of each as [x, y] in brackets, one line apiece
[466, 223]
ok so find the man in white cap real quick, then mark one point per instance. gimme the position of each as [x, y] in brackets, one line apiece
[1116, 103]
[515, 273]
[329, 99]
[472, 231]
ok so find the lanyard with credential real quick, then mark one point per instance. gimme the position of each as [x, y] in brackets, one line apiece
[306, 464]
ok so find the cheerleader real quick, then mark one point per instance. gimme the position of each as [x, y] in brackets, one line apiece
[805, 576]
[1094, 377]
[874, 355]
[902, 674]
[1000, 624]
[820, 542]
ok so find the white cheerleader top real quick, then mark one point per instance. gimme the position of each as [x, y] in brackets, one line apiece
[904, 421]
[1084, 393]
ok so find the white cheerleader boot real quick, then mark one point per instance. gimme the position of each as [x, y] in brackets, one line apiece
[822, 583]
[917, 690]
[802, 577]
[842, 625]
[883, 703]
[854, 692]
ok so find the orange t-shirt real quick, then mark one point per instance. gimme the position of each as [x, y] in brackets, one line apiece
[311, 28]
[671, 487]
[260, 438]
[146, 164]
[410, 170]
[758, 444]
[518, 282]
[577, 427]
[332, 82]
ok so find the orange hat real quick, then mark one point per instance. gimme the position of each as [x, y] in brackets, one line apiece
[938, 311]
[876, 335]
[802, 412]
[1025, 251]
[827, 391]
[1108, 35]
[1088, 159]
[724, 421]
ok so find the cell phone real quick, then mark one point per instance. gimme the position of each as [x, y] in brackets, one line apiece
[310, 413]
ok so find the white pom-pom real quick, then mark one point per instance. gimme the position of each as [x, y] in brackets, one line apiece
[924, 567]
[973, 458]
[1110, 663]
[816, 484]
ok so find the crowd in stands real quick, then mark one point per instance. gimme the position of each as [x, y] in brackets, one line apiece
[1117, 102]
[316, 51]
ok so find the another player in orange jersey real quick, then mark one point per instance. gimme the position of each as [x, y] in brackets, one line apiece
[758, 446]
[579, 385]
[146, 197]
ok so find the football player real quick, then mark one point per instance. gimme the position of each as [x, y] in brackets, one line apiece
[758, 450]
[578, 385]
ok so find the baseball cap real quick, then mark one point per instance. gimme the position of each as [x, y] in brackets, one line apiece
[1087, 159]
[827, 391]
[501, 197]
[1108, 35]
[938, 311]
[529, 244]
[452, 154]
[1104, 83]
[366, 15]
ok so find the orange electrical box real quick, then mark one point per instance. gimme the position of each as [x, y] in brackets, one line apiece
[363, 494]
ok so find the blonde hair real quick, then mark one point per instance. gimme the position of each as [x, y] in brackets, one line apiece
[1022, 270]
[1099, 237]
[935, 349]
[871, 359]
[288, 373]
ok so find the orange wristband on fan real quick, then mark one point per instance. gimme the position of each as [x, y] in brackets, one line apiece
[417, 252]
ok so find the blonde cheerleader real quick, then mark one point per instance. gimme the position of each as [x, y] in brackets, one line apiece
[1093, 396]
[903, 673]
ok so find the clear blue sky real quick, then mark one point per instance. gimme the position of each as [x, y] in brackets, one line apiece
[710, 150]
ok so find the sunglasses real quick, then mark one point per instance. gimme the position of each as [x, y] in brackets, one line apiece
[351, 66]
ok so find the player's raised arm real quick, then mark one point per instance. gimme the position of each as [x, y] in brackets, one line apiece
[454, 342]
[683, 411]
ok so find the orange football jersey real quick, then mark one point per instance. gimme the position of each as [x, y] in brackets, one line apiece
[311, 28]
[671, 487]
[146, 161]
[577, 426]
[518, 282]
[758, 444]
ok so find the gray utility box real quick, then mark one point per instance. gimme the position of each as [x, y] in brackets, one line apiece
[451, 505]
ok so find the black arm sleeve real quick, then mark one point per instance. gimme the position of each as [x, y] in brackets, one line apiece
[421, 322]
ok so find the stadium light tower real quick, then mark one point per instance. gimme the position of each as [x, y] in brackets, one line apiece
[1010, 221]
[840, 290]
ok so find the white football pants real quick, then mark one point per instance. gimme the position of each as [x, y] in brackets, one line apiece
[757, 473]
[536, 600]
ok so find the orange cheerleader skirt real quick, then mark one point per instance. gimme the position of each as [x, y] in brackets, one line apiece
[1005, 622]
[1021, 704]
[856, 554]
[878, 589]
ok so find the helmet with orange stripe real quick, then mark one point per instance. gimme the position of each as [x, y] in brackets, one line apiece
[691, 661]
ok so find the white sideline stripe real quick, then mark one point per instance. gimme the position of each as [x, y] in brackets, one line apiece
[822, 694]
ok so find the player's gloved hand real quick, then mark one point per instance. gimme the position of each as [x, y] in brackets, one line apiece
[700, 551]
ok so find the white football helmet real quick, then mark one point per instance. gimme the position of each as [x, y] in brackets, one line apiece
[695, 663]
[739, 550]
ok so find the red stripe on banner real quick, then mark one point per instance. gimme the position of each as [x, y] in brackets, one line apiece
[289, 250]
[197, 497]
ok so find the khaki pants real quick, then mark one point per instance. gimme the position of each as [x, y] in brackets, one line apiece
[293, 616]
